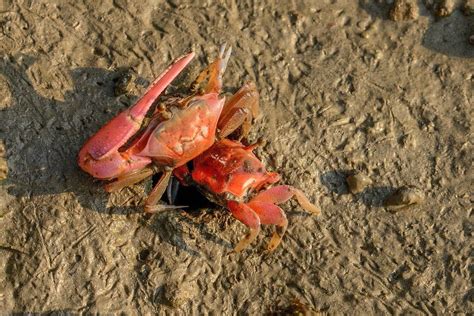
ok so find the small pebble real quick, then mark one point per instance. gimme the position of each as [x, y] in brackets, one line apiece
[403, 197]
[176, 294]
[358, 182]
[403, 10]
[468, 8]
[125, 84]
[445, 8]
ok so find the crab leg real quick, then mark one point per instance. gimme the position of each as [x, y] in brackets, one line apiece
[172, 190]
[157, 192]
[282, 193]
[239, 110]
[106, 142]
[249, 218]
[270, 214]
[264, 205]
[129, 179]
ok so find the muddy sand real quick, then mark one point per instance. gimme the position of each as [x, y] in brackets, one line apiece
[345, 91]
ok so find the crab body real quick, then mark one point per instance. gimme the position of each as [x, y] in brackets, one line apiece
[171, 142]
[231, 175]
[231, 168]
[128, 150]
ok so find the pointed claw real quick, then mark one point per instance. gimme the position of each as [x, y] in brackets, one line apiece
[224, 56]
[116, 133]
[222, 50]
[159, 85]
[217, 69]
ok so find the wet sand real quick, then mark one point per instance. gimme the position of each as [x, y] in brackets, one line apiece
[344, 90]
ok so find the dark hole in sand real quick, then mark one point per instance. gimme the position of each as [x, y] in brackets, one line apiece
[143, 255]
[187, 195]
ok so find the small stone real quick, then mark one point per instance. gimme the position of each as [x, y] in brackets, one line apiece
[403, 197]
[403, 10]
[365, 34]
[125, 84]
[468, 8]
[445, 8]
[358, 182]
[471, 39]
[176, 295]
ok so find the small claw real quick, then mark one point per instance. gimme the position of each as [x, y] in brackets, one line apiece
[216, 70]
[239, 110]
[224, 56]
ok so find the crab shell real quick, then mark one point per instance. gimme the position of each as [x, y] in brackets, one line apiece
[230, 170]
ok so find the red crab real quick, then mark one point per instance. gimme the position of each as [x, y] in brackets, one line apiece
[127, 150]
[231, 175]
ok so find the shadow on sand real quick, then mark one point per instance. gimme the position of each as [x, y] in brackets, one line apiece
[446, 35]
[372, 196]
[42, 137]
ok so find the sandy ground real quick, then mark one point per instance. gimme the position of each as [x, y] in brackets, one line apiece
[343, 89]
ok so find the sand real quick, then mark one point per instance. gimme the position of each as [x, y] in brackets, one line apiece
[344, 90]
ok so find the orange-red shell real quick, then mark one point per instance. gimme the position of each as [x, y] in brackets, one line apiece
[230, 167]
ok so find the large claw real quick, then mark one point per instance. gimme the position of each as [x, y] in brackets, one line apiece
[100, 157]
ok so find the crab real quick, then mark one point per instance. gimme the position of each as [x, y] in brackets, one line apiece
[229, 174]
[132, 147]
